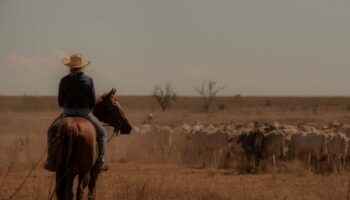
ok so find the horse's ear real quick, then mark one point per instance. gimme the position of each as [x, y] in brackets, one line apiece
[112, 92]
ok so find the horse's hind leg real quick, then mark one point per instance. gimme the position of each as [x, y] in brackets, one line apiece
[64, 186]
[69, 188]
[82, 183]
[92, 185]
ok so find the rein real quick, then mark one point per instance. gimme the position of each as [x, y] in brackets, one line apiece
[115, 130]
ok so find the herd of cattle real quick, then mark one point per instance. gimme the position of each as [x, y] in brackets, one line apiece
[251, 147]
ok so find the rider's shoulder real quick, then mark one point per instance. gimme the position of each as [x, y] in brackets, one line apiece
[65, 78]
[87, 77]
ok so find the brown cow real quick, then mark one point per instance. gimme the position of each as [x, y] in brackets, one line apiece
[252, 143]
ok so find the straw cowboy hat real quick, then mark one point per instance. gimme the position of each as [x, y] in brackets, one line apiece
[76, 61]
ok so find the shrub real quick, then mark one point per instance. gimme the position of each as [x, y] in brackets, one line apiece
[348, 107]
[164, 95]
[222, 106]
[268, 103]
[208, 91]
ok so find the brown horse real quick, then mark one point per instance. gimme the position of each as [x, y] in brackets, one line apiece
[76, 148]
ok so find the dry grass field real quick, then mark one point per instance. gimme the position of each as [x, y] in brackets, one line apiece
[24, 120]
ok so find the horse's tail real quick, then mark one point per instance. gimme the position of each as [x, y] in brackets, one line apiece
[67, 131]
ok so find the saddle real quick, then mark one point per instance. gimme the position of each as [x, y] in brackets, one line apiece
[74, 115]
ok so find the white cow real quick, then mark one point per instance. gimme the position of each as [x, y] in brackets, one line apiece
[179, 144]
[337, 146]
[274, 145]
[304, 145]
[345, 128]
[208, 143]
[288, 129]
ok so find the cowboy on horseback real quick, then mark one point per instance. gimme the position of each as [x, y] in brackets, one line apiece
[77, 97]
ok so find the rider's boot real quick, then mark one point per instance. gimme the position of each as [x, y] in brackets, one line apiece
[100, 163]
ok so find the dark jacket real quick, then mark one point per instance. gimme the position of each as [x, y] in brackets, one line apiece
[76, 91]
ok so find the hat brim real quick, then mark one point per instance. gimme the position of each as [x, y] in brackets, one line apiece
[67, 63]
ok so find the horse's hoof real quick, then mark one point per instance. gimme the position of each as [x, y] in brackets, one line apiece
[104, 168]
[49, 168]
[91, 197]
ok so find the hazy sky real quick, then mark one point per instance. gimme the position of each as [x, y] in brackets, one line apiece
[253, 47]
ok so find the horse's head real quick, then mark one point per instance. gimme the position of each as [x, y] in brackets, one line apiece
[108, 110]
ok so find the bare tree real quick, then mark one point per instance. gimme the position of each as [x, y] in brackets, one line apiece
[164, 95]
[208, 90]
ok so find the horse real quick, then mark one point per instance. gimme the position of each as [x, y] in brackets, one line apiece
[76, 147]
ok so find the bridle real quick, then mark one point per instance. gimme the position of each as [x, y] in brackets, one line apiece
[116, 129]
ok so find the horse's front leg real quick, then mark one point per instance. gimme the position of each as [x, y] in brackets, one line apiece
[92, 185]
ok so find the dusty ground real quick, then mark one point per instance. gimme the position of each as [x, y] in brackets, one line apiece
[162, 181]
[24, 120]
